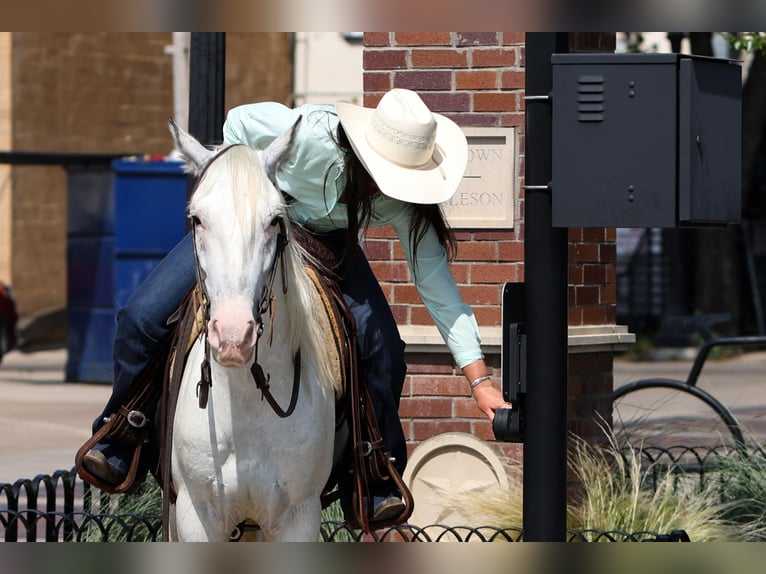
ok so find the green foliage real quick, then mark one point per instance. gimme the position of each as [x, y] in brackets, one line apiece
[614, 490]
[333, 514]
[618, 492]
[634, 42]
[145, 502]
[747, 41]
[740, 484]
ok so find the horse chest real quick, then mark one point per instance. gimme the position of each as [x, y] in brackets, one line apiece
[238, 441]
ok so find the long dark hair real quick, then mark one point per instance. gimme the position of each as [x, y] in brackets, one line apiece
[360, 191]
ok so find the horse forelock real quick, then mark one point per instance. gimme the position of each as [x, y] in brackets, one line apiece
[235, 184]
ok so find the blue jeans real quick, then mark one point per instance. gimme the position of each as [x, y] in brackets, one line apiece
[141, 329]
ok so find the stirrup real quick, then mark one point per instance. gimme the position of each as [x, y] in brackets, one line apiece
[128, 484]
[388, 508]
[97, 464]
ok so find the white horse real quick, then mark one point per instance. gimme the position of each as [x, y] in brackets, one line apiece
[236, 459]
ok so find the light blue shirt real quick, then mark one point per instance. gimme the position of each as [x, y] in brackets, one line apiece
[314, 176]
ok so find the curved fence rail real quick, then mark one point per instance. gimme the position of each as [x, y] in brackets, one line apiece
[62, 508]
[79, 526]
[42, 495]
[334, 531]
[699, 461]
[85, 527]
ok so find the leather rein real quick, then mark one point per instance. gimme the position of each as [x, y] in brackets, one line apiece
[265, 304]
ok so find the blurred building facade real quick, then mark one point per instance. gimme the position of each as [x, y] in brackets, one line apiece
[94, 93]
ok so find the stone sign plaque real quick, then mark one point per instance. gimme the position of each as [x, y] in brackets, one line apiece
[485, 198]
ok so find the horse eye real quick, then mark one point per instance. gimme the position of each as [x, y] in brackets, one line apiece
[277, 219]
[195, 221]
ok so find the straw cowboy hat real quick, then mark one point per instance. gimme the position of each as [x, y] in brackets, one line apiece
[412, 154]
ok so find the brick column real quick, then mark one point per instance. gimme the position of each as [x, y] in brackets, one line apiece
[477, 79]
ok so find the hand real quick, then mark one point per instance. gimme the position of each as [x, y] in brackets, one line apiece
[489, 399]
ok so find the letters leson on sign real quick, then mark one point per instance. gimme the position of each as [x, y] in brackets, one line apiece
[485, 198]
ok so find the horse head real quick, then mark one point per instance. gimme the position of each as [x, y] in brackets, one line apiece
[238, 221]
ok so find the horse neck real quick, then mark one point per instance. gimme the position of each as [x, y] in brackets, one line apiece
[295, 325]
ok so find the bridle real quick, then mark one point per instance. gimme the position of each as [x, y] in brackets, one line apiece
[266, 303]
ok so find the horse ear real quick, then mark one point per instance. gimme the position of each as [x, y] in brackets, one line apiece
[279, 150]
[196, 155]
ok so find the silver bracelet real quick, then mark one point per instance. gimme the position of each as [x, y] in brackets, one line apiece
[480, 380]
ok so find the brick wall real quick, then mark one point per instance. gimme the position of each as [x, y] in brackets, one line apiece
[592, 301]
[477, 79]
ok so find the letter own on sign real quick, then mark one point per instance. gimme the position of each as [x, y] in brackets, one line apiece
[485, 197]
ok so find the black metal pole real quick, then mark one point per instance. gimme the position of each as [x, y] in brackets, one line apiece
[207, 83]
[207, 74]
[545, 261]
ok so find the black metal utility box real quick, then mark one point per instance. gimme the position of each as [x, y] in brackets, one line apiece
[645, 140]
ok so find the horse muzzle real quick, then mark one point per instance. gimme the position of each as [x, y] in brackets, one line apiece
[232, 344]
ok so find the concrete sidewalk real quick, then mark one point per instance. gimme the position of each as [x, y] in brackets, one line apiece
[44, 420]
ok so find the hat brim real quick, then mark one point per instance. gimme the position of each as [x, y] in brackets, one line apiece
[431, 183]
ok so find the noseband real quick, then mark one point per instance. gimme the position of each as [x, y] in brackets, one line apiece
[265, 304]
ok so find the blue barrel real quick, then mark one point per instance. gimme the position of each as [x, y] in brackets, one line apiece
[90, 282]
[121, 222]
[150, 219]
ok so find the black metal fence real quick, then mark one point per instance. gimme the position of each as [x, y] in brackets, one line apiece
[62, 508]
[701, 462]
